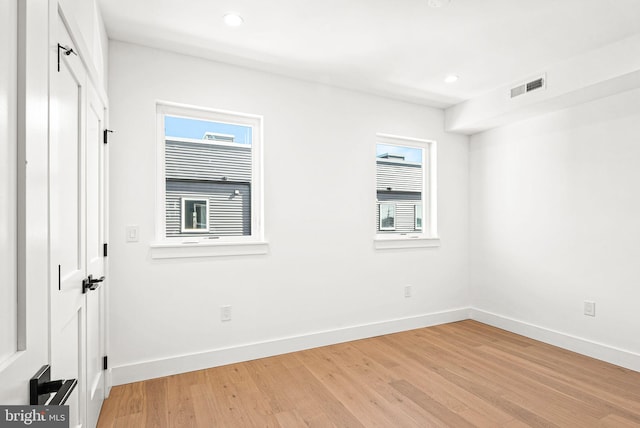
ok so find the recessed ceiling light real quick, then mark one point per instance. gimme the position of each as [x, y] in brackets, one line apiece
[233, 19]
[451, 78]
[437, 3]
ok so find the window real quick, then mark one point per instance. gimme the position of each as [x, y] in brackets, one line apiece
[195, 215]
[405, 192]
[209, 183]
[387, 216]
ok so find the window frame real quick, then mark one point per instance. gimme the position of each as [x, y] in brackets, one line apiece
[427, 236]
[203, 246]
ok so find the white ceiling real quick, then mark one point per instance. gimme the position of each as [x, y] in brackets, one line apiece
[398, 48]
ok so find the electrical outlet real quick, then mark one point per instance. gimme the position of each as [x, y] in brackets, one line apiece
[225, 313]
[590, 308]
[408, 291]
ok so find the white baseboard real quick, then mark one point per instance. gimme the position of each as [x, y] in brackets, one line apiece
[144, 370]
[600, 351]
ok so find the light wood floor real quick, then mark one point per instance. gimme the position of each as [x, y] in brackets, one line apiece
[456, 375]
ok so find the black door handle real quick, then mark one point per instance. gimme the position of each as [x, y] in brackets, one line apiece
[91, 283]
[41, 387]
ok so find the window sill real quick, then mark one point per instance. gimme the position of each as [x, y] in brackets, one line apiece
[405, 242]
[177, 250]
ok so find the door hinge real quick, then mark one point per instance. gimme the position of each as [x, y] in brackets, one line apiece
[105, 136]
[67, 51]
[105, 365]
[104, 249]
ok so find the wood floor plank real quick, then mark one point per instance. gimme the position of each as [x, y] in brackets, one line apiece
[564, 391]
[518, 377]
[463, 374]
[615, 421]
[324, 402]
[579, 367]
[180, 401]
[212, 398]
[291, 419]
[207, 407]
[480, 389]
[133, 420]
[295, 388]
[247, 397]
[437, 387]
[447, 416]
[526, 387]
[362, 401]
[571, 392]
[269, 375]
[156, 403]
[380, 379]
[486, 380]
[132, 400]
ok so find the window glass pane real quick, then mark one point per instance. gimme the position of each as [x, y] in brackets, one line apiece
[209, 166]
[399, 187]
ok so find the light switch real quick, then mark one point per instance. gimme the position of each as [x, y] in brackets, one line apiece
[133, 232]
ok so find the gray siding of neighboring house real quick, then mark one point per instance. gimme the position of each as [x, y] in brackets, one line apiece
[207, 161]
[405, 182]
[229, 214]
[399, 177]
[214, 171]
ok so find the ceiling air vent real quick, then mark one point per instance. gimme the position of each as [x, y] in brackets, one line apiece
[538, 83]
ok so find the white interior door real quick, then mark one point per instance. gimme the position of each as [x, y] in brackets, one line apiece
[67, 202]
[23, 230]
[77, 227]
[95, 299]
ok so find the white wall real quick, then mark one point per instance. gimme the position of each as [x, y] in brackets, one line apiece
[322, 273]
[555, 211]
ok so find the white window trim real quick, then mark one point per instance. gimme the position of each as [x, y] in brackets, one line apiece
[195, 246]
[395, 209]
[186, 249]
[185, 199]
[428, 236]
